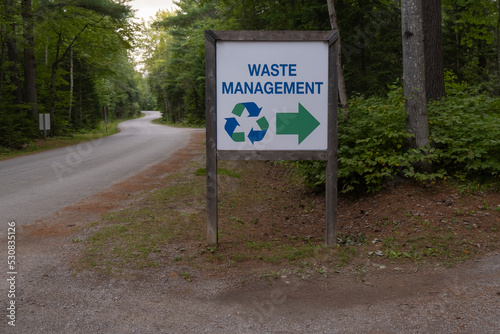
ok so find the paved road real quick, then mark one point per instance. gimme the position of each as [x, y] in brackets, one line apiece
[33, 186]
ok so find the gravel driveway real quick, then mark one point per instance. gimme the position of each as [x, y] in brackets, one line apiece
[52, 297]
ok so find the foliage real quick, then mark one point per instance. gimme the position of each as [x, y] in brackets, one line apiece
[81, 50]
[79, 47]
[465, 131]
[371, 44]
[15, 128]
[176, 64]
[469, 38]
[373, 143]
[274, 15]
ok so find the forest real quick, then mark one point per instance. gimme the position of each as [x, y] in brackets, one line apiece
[71, 58]
[68, 59]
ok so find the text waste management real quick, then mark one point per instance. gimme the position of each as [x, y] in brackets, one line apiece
[272, 87]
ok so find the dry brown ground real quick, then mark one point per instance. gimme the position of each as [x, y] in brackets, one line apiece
[359, 287]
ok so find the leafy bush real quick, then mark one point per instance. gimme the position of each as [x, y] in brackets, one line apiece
[16, 129]
[373, 142]
[466, 134]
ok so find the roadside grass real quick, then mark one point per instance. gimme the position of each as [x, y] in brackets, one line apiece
[161, 121]
[270, 225]
[422, 241]
[168, 228]
[49, 143]
[143, 235]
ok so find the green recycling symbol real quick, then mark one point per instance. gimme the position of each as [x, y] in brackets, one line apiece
[253, 112]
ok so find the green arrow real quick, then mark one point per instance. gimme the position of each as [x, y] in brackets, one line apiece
[301, 123]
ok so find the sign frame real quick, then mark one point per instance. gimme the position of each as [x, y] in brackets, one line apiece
[213, 154]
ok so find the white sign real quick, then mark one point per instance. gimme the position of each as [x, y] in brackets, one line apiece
[272, 95]
[44, 121]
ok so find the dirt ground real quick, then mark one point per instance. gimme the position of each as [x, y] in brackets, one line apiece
[367, 294]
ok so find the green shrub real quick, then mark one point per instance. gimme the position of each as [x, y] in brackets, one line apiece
[16, 129]
[373, 142]
[466, 134]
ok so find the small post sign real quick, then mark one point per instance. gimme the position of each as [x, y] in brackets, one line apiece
[44, 123]
[271, 95]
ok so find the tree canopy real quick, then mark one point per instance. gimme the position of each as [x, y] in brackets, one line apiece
[461, 56]
[71, 58]
[371, 42]
[62, 58]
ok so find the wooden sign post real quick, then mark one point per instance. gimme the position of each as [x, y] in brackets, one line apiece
[271, 95]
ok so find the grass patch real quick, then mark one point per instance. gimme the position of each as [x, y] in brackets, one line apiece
[425, 241]
[50, 143]
[162, 121]
[128, 242]
[268, 223]
[220, 171]
[144, 236]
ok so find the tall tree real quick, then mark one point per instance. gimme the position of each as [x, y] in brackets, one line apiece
[29, 59]
[155, 55]
[183, 72]
[45, 30]
[12, 51]
[433, 46]
[371, 44]
[414, 72]
[341, 80]
[468, 29]
[83, 16]
[498, 38]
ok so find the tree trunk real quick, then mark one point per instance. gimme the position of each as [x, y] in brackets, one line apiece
[71, 85]
[341, 80]
[13, 53]
[79, 118]
[52, 88]
[52, 96]
[456, 17]
[55, 66]
[166, 108]
[2, 71]
[166, 104]
[414, 72]
[433, 48]
[47, 52]
[29, 59]
[498, 39]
